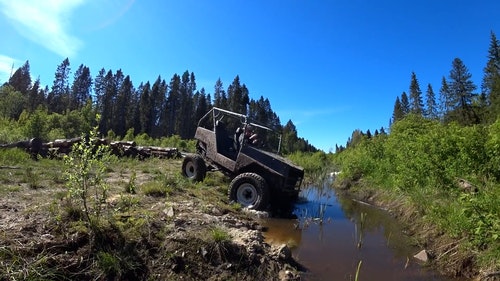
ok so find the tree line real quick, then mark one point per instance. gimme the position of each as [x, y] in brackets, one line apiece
[456, 101]
[159, 109]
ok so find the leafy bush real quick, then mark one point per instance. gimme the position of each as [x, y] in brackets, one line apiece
[315, 164]
[424, 160]
[11, 157]
[85, 169]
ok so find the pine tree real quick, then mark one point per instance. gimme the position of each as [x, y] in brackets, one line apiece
[36, 96]
[172, 105]
[289, 142]
[99, 89]
[124, 108]
[431, 109]
[21, 79]
[491, 80]
[405, 104]
[368, 134]
[202, 104]
[461, 94]
[416, 103]
[220, 98]
[145, 108]
[82, 86]
[59, 96]
[238, 97]
[398, 112]
[185, 116]
[157, 104]
[444, 96]
[111, 83]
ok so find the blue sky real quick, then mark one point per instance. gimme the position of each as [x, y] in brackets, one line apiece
[329, 66]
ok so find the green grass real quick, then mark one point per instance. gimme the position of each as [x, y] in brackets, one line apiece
[420, 163]
[219, 235]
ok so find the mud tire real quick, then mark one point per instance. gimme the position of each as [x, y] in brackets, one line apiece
[194, 167]
[250, 191]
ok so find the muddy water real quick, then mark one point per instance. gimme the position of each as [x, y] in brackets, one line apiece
[333, 235]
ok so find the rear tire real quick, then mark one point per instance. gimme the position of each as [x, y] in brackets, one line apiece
[250, 191]
[194, 168]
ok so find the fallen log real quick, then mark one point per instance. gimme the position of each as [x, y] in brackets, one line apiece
[59, 147]
[33, 146]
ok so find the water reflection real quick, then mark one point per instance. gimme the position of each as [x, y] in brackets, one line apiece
[331, 235]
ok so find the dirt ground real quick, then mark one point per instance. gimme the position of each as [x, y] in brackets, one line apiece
[189, 233]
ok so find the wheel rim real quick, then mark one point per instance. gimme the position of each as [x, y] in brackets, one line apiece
[246, 195]
[190, 170]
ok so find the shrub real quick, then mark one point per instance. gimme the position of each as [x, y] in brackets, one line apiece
[85, 169]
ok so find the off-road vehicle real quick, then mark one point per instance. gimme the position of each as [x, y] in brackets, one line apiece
[247, 152]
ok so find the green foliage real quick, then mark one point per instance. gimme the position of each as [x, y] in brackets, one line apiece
[108, 263]
[219, 235]
[315, 164]
[85, 169]
[156, 189]
[12, 157]
[131, 186]
[129, 136]
[493, 149]
[10, 131]
[12, 102]
[35, 126]
[32, 178]
[424, 161]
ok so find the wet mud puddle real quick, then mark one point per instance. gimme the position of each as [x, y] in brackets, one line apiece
[333, 236]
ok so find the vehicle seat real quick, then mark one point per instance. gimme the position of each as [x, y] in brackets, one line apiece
[224, 142]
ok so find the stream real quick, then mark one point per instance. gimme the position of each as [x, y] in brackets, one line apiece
[333, 235]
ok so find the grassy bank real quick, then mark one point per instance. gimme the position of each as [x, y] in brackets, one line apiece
[443, 181]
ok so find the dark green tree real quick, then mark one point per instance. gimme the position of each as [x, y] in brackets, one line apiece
[416, 103]
[58, 98]
[81, 88]
[444, 96]
[490, 86]
[145, 108]
[431, 108]
[124, 108]
[111, 83]
[99, 89]
[398, 112]
[461, 94]
[36, 97]
[172, 105]
[185, 113]
[405, 104]
[238, 96]
[157, 104]
[289, 138]
[21, 79]
[202, 104]
[220, 97]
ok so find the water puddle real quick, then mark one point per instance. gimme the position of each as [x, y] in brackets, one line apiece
[333, 235]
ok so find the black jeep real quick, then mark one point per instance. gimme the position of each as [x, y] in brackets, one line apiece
[246, 152]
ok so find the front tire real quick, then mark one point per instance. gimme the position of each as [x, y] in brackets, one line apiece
[250, 191]
[194, 168]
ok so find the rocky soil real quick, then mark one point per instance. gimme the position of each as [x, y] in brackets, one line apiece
[192, 233]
